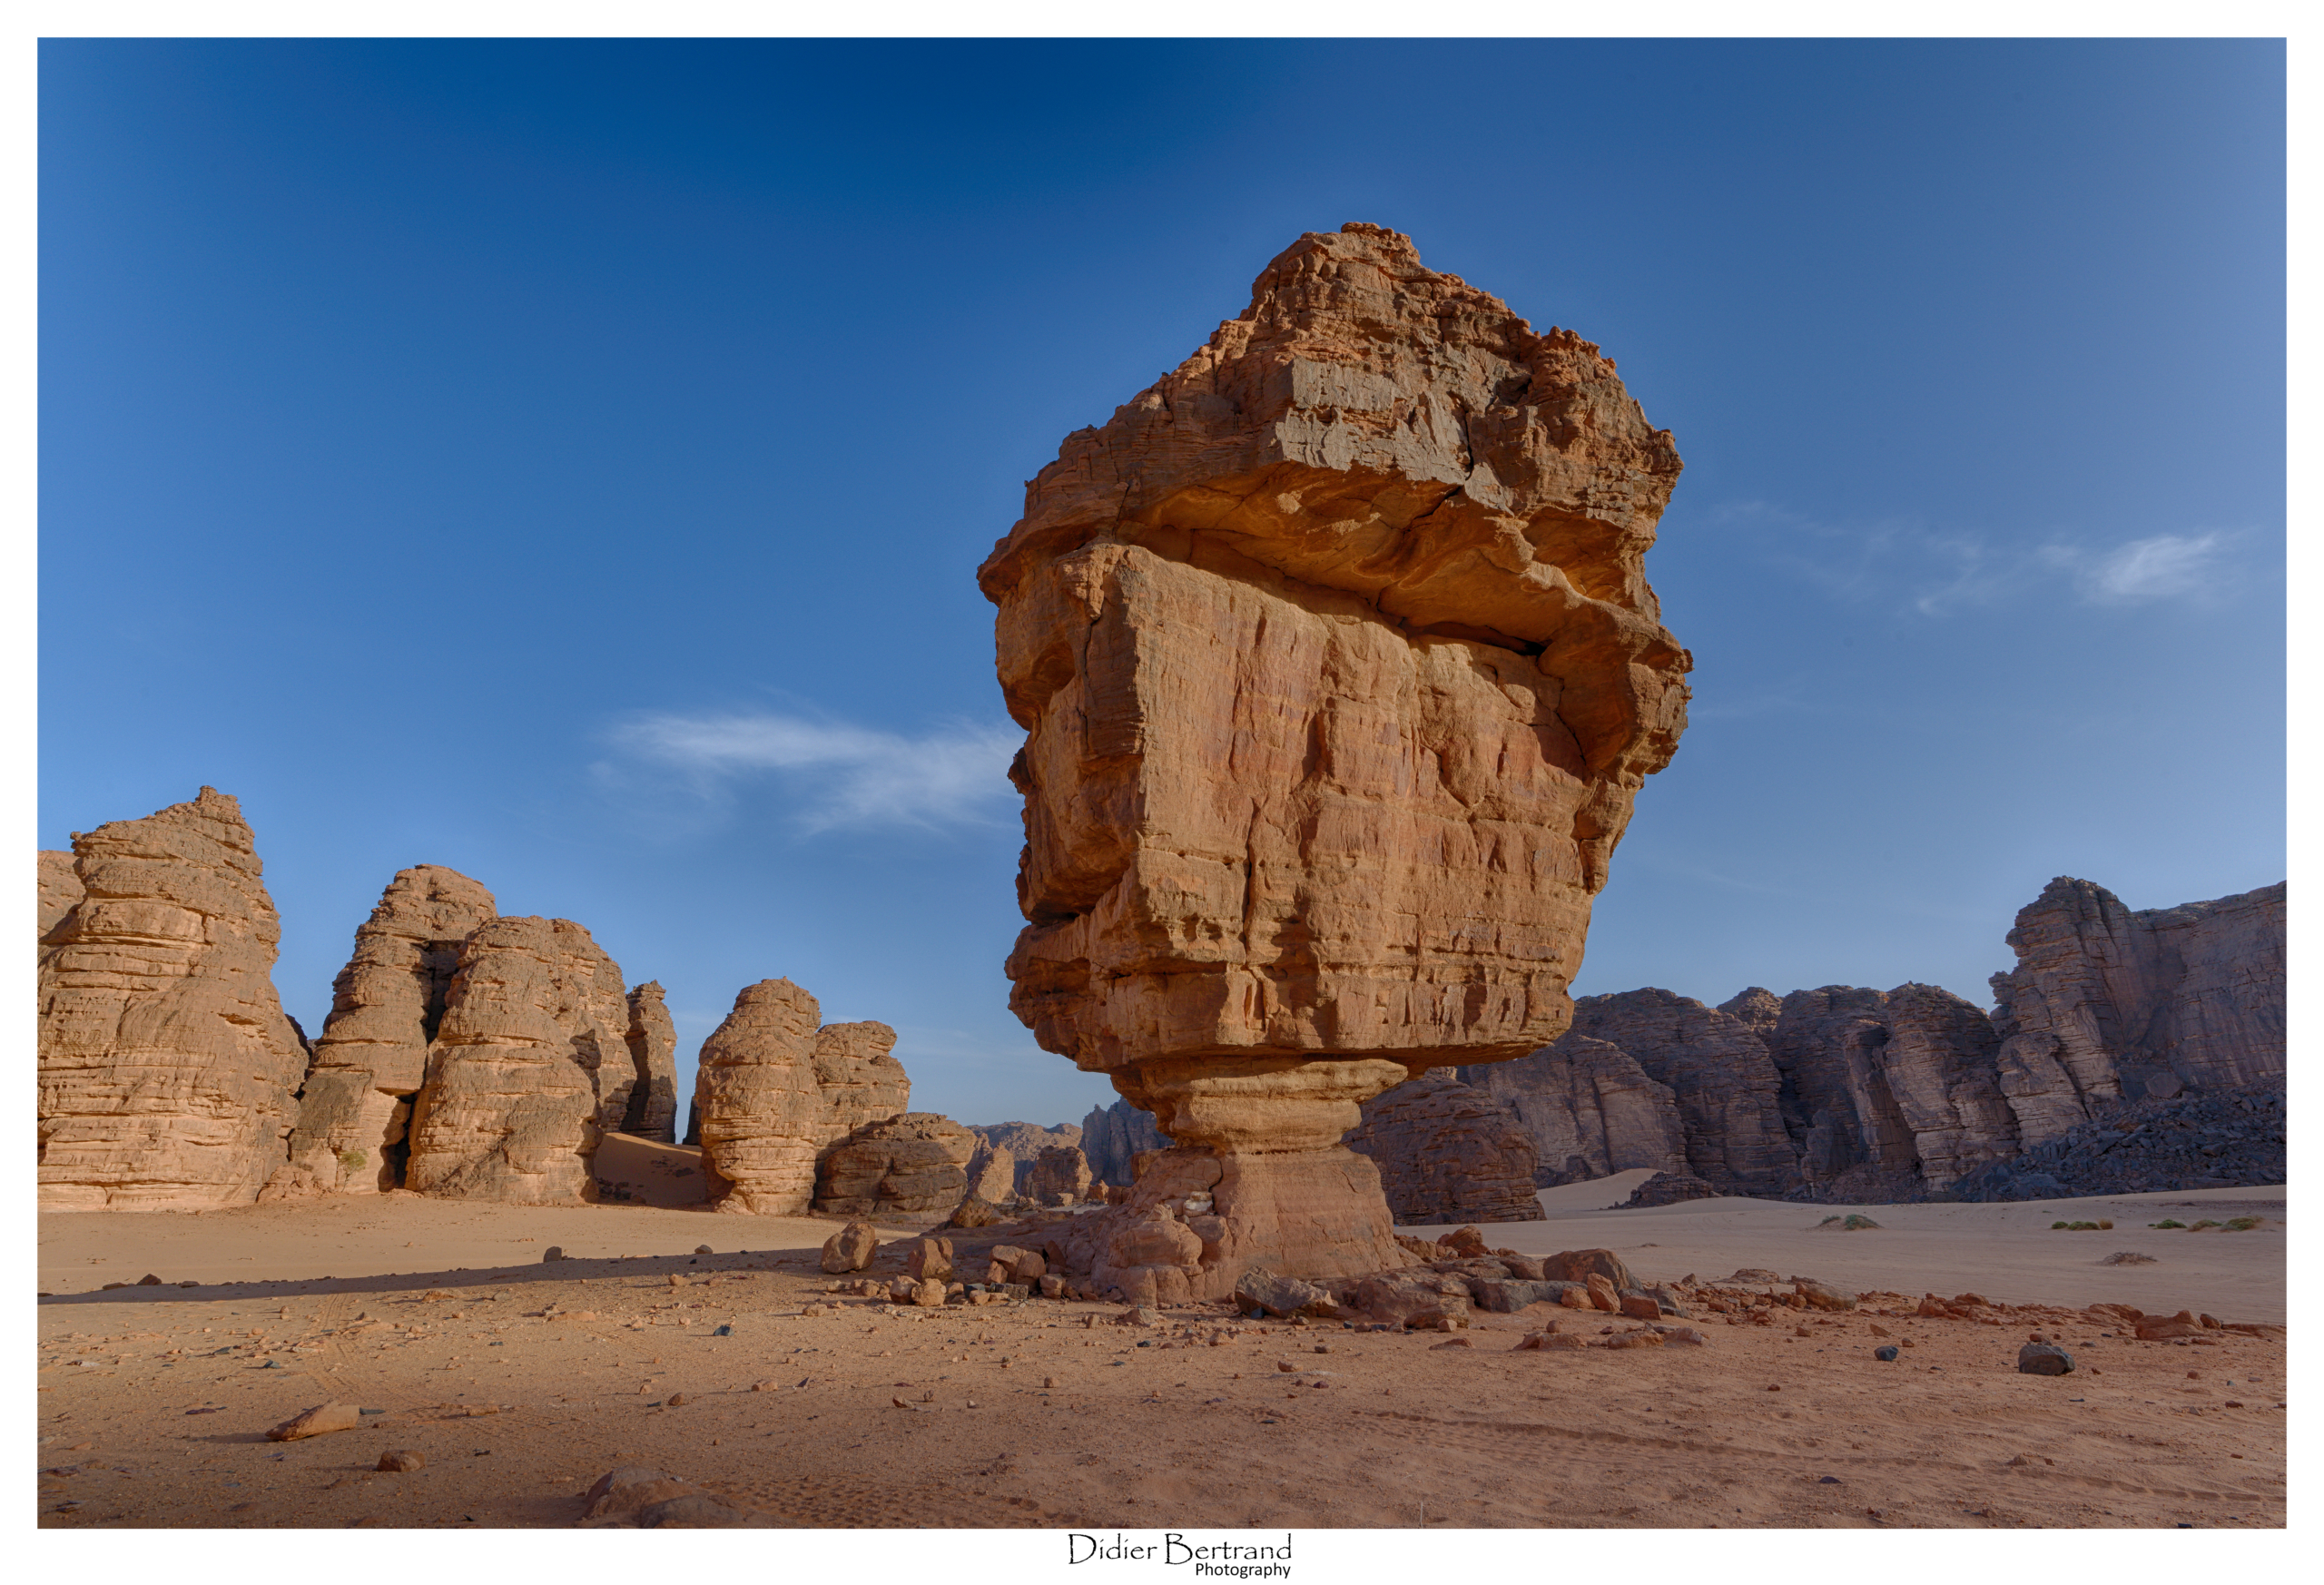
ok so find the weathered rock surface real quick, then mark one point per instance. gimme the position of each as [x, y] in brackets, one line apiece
[2107, 1003]
[2199, 1139]
[861, 1082]
[763, 1118]
[528, 1068]
[1113, 1137]
[1060, 1176]
[167, 1066]
[1589, 1111]
[653, 1041]
[1449, 1152]
[61, 892]
[352, 1133]
[1340, 674]
[915, 1162]
[774, 1090]
[993, 1173]
[1720, 1072]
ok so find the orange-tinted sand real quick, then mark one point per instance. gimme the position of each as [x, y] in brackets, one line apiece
[1031, 1415]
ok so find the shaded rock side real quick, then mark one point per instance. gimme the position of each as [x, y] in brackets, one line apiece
[860, 1082]
[1449, 1152]
[352, 1133]
[1060, 1176]
[1719, 1071]
[1113, 1137]
[1589, 1111]
[529, 1067]
[61, 892]
[167, 1066]
[2107, 1003]
[1340, 672]
[653, 1041]
[912, 1163]
[763, 1118]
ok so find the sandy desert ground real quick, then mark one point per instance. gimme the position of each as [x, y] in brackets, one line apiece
[522, 1382]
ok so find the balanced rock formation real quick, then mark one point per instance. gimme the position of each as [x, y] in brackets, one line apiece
[1449, 1152]
[530, 1066]
[653, 1041]
[1340, 674]
[1588, 1109]
[916, 1162]
[776, 1087]
[1113, 1139]
[167, 1066]
[355, 1106]
[2108, 1004]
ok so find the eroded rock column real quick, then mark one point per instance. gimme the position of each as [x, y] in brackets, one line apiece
[167, 1066]
[1340, 671]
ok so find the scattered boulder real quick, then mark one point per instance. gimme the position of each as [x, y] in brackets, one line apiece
[1578, 1265]
[972, 1213]
[320, 1421]
[929, 1259]
[2043, 1359]
[851, 1248]
[402, 1461]
[1258, 1289]
[1819, 1296]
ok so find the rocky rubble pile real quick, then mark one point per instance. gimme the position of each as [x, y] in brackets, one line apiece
[2223, 1141]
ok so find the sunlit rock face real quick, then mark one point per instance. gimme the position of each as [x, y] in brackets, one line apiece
[1340, 672]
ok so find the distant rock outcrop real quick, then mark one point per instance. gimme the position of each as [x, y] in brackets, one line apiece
[1718, 1070]
[352, 1133]
[1060, 1176]
[653, 1041]
[1590, 1109]
[1114, 1137]
[167, 1066]
[2107, 1003]
[529, 1067]
[908, 1164]
[1449, 1152]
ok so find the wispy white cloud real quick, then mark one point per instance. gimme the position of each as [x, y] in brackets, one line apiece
[837, 774]
[1939, 573]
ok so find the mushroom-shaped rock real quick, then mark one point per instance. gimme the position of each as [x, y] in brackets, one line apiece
[1339, 672]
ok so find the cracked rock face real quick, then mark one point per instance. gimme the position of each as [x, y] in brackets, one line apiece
[1340, 672]
[2107, 1003]
[1590, 1109]
[167, 1066]
[355, 1108]
[529, 1067]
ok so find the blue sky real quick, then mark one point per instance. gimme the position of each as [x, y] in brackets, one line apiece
[569, 461]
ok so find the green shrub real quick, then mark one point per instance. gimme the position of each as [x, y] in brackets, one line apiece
[2166, 1222]
[2057, 1226]
[2242, 1224]
[353, 1160]
[2081, 1226]
[2198, 1226]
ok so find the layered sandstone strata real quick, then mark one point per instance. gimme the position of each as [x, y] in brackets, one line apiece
[1588, 1109]
[355, 1106]
[2107, 1003]
[1449, 1152]
[167, 1066]
[529, 1067]
[909, 1164]
[1340, 671]
[653, 1041]
[776, 1087]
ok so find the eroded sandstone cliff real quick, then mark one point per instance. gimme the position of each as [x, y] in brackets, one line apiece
[1340, 671]
[167, 1066]
[1449, 1152]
